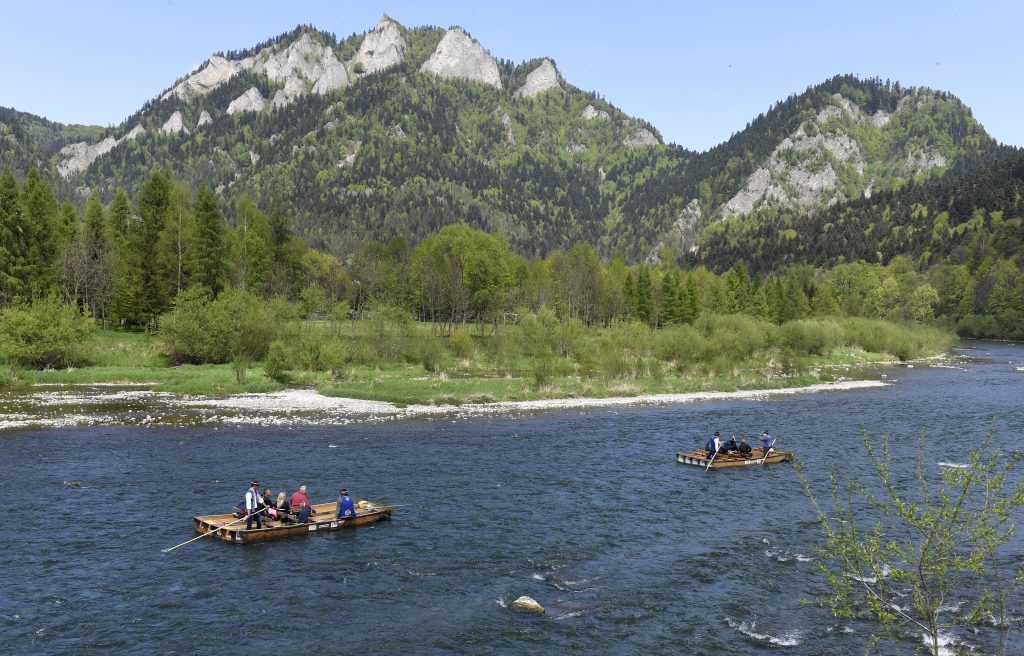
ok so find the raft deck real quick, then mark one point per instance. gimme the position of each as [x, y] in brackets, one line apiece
[230, 529]
[702, 457]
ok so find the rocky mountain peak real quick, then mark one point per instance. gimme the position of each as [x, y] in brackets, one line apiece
[458, 55]
[382, 47]
[304, 64]
[540, 79]
[806, 169]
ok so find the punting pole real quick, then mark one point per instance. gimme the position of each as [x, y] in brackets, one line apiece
[170, 549]
[713, 456]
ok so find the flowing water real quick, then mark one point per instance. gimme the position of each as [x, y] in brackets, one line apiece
[585, 511]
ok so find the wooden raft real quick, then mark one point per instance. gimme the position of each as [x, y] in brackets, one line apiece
[325, 519]
[701, 458]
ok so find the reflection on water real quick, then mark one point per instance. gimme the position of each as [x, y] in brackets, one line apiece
[583, 510]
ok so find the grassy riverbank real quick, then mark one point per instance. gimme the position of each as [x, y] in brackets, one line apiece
[410, 363]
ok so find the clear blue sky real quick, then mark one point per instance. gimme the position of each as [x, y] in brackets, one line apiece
[698, 71]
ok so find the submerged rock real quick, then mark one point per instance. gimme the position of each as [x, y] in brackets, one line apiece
[528, 604]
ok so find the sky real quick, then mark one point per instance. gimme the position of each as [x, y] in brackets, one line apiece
[698, 71]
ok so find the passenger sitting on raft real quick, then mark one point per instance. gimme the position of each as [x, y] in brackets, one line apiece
[284, 509]
[730, 446]
[346, 508]
[303, 512]
[744, 448]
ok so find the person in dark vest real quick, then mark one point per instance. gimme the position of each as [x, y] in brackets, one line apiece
[730, 446]
[744, 448]
[253, 502]
[346, 507]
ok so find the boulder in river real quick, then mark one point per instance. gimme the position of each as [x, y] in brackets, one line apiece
[527, 603]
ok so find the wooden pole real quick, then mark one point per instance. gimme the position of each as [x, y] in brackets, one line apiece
[713, 455]
[170, 549]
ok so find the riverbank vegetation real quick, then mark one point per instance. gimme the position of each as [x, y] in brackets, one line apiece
[896, 550]
[194, 304]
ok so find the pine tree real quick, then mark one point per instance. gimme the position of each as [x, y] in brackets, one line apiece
[691, 301]
[10, 227]
[209, 247]
[644, 297]
[39, 268]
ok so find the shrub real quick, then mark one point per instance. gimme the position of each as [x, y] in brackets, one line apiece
[432, 356]
[811, 336]
[461, 344]
[541, 368]
[45, 333]
[278, 361]
[200, 330]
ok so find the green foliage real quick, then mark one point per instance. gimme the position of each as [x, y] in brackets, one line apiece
[236, 323]
[896, 550]
[45, 333]
[278, 361]
[461, 344]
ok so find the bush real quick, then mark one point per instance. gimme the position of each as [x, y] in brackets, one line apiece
[461, 344]
[683, 344]
[734, 336]
[45, 334]
[432, 356]
[200, 331]
[278, 361]
[811, 336]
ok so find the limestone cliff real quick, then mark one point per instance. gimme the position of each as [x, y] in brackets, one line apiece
[382, 47]
[250, 101]
[78, 156]
[540, 79]
[809, 167]
[174, 125]
[303, 65]
[460, 56]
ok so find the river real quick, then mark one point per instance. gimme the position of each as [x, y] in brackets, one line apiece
[584, 510]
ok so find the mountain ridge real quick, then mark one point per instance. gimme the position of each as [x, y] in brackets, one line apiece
[361, 139]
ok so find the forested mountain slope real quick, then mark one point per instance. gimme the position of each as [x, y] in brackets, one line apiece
[399, 132]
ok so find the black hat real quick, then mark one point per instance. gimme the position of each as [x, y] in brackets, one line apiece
[344, 491]
[717, 433]
[254, 483]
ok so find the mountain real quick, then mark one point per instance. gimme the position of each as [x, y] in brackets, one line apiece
[398, 132]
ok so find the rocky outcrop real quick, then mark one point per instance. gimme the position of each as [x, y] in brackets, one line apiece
[303, 65]
[637, 136]
[395, 132]
[174, 125]
[250, 101]
[204, 118]
[591, 113]
[540, 79]
[216, 72]
[528, 604]
[510, 137]
[459, 56]
[804, 170]
[78, 156]
[382, 47]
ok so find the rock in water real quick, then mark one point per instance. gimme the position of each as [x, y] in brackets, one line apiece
[459, 56]
[527, 603]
